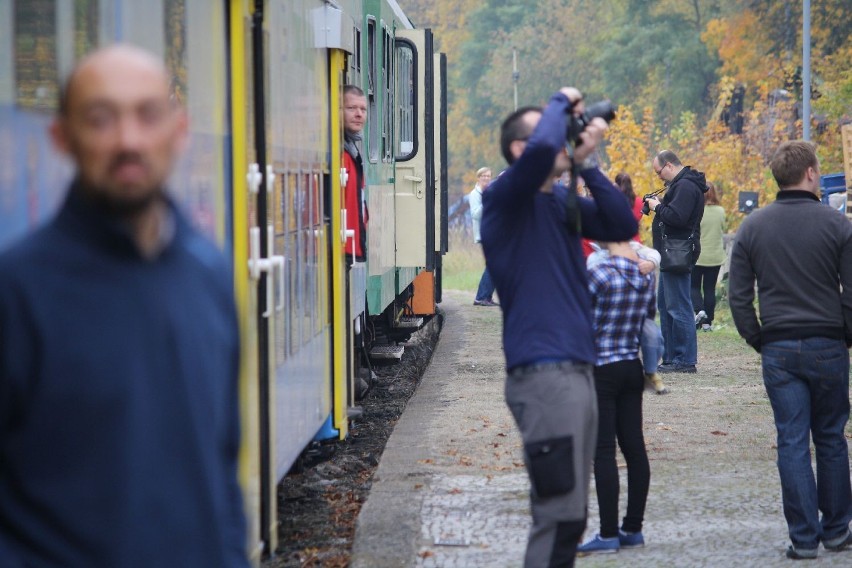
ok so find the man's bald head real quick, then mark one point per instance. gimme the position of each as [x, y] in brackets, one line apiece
[119, 123]
[120, 54]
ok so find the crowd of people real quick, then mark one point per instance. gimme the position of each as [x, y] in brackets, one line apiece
[575, 389]
[144, 430]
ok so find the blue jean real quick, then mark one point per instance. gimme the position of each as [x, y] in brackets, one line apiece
[486, 287]
[651, 345]
[677, 320]
[807, 381]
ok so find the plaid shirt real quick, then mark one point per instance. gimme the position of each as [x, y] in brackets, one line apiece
[621, 300]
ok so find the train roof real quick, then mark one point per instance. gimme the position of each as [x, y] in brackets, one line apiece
[406, 21]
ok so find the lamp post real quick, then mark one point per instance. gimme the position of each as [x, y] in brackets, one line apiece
[515, 74]
[806, 70]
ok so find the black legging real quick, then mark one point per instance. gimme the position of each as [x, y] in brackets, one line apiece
[704, 290]
[619, 388]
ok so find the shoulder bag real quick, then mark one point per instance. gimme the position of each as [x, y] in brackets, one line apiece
[679, 255]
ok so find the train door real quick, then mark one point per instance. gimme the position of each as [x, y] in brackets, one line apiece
[441, 171]
[253, 269]
[339, 36]
[415, 165]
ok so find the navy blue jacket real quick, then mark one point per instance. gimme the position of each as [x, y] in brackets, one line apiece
[536, 263]
[119, 426]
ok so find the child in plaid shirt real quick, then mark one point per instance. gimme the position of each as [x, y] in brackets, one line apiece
[622, 298]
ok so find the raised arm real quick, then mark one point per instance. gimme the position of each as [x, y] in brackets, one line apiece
[534, 167]
[607, 216]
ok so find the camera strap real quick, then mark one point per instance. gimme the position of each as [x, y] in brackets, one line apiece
[572, 205]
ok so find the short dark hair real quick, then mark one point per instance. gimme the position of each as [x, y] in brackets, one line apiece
[668, 157]
[790, 162]
[353, 90]
[515, 128]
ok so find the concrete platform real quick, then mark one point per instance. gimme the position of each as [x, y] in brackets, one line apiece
[451, 489]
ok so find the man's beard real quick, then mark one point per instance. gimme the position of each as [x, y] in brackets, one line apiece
[121, 206]
[113, 200]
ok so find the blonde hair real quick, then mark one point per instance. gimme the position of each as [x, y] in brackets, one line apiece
[481, 171]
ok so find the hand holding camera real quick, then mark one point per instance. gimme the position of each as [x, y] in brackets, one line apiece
[585, 127]
[651, 197]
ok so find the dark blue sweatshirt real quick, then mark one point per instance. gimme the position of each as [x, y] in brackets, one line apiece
[537, 265]
[119, 426]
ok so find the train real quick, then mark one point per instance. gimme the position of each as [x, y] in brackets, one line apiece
[262, 81]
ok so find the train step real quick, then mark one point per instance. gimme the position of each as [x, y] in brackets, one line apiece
[387, 352]
[409, 322]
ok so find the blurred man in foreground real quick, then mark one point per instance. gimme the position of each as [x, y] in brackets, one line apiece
[119, 350]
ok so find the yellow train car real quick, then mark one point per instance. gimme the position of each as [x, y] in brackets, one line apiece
[262, 81]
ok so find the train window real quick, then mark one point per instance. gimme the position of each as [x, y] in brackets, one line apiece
[36, 65]
[372, 92]
[405, 127]
[85, 26]
[174, 16]
[387, 96]
[356, 58]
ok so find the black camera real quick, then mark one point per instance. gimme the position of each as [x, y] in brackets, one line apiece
[646, 209]
[577, 124]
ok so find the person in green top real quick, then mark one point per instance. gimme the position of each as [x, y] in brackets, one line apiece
[705, 273]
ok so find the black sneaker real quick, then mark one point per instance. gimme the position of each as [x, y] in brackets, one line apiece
[838, 544]
[801, 553]
[676, 368]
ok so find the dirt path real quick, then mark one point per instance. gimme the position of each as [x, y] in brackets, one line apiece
[451, 489]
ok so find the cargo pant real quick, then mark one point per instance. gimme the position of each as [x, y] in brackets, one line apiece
[555, 408]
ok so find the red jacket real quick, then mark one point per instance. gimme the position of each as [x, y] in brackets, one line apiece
[356, 208]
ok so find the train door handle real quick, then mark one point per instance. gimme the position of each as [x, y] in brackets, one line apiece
[253, 178]
[257, 265]
[277, 261]
[415, 179]
[346, 233]
[270, 178]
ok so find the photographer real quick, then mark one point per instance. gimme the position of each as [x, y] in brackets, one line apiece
[532, 249]
[677, 216]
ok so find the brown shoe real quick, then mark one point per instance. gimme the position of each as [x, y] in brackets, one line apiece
[653, 381]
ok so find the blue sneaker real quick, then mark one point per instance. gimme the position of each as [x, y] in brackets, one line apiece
[630, 540]
[598, 545]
